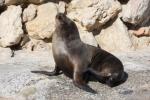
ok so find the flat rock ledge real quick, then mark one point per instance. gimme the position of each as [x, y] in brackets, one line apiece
[18, 83]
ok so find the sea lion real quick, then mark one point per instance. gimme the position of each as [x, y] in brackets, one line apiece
[78, 60]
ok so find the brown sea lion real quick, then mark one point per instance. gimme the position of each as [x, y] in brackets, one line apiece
[78, 60]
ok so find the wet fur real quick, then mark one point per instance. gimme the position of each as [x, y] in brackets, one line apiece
[78, 60]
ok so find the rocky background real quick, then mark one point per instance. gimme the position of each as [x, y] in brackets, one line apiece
[122, 25]
[26, 27]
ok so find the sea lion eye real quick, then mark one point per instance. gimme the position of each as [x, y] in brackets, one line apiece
[59, 16]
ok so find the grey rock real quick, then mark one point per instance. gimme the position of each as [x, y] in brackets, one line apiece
[44, 24]
[11, 26]
[115, 37]
[140, 42]
[136, 12]
[29, 13]
[87, 37]
[37, 45]
[93, 13]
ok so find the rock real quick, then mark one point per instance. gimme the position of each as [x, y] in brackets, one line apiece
[62, 7]
[29, 13]
[93, 13]
[14, 2]
[114, 37]
[143, 31]
[11, 26]
[86, 37]
[24, 40]
[6, 98]
[139, 42]
[10, 2]
[141, 93]
[5, 53]
[36, 45]
[136, 12]
[44, 24]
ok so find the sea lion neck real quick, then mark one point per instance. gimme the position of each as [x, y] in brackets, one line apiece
[67, 32]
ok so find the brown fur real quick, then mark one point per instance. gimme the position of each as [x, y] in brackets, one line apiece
[78, 60]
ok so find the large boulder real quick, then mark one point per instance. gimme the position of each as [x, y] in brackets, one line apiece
[62, 7]
[93, 13]
[136, 12]
[44, 24]
[29, 13]
[11, 26]
[86, 37]
[114, 37]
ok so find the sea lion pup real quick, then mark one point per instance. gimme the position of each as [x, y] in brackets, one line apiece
[79, 60]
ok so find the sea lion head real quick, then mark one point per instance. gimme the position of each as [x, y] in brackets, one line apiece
[63, 21]
[65, 26]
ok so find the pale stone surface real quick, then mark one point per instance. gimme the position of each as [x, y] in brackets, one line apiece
[10, 26]
[34, 45]
[29, 13]
[136, 12]
[115, 37]
[5, 53]
[17, 82]
[44, 24]
[62, 7]
[86, 37]
[93, 13]
[140, 42]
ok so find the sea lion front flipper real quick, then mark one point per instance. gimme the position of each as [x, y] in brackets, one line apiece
[84, 87]
[81, 83]
[53, 73]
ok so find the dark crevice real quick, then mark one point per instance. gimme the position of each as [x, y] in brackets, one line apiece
[123, 1]
[57, 1]
[3, 8]
[131, 26]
